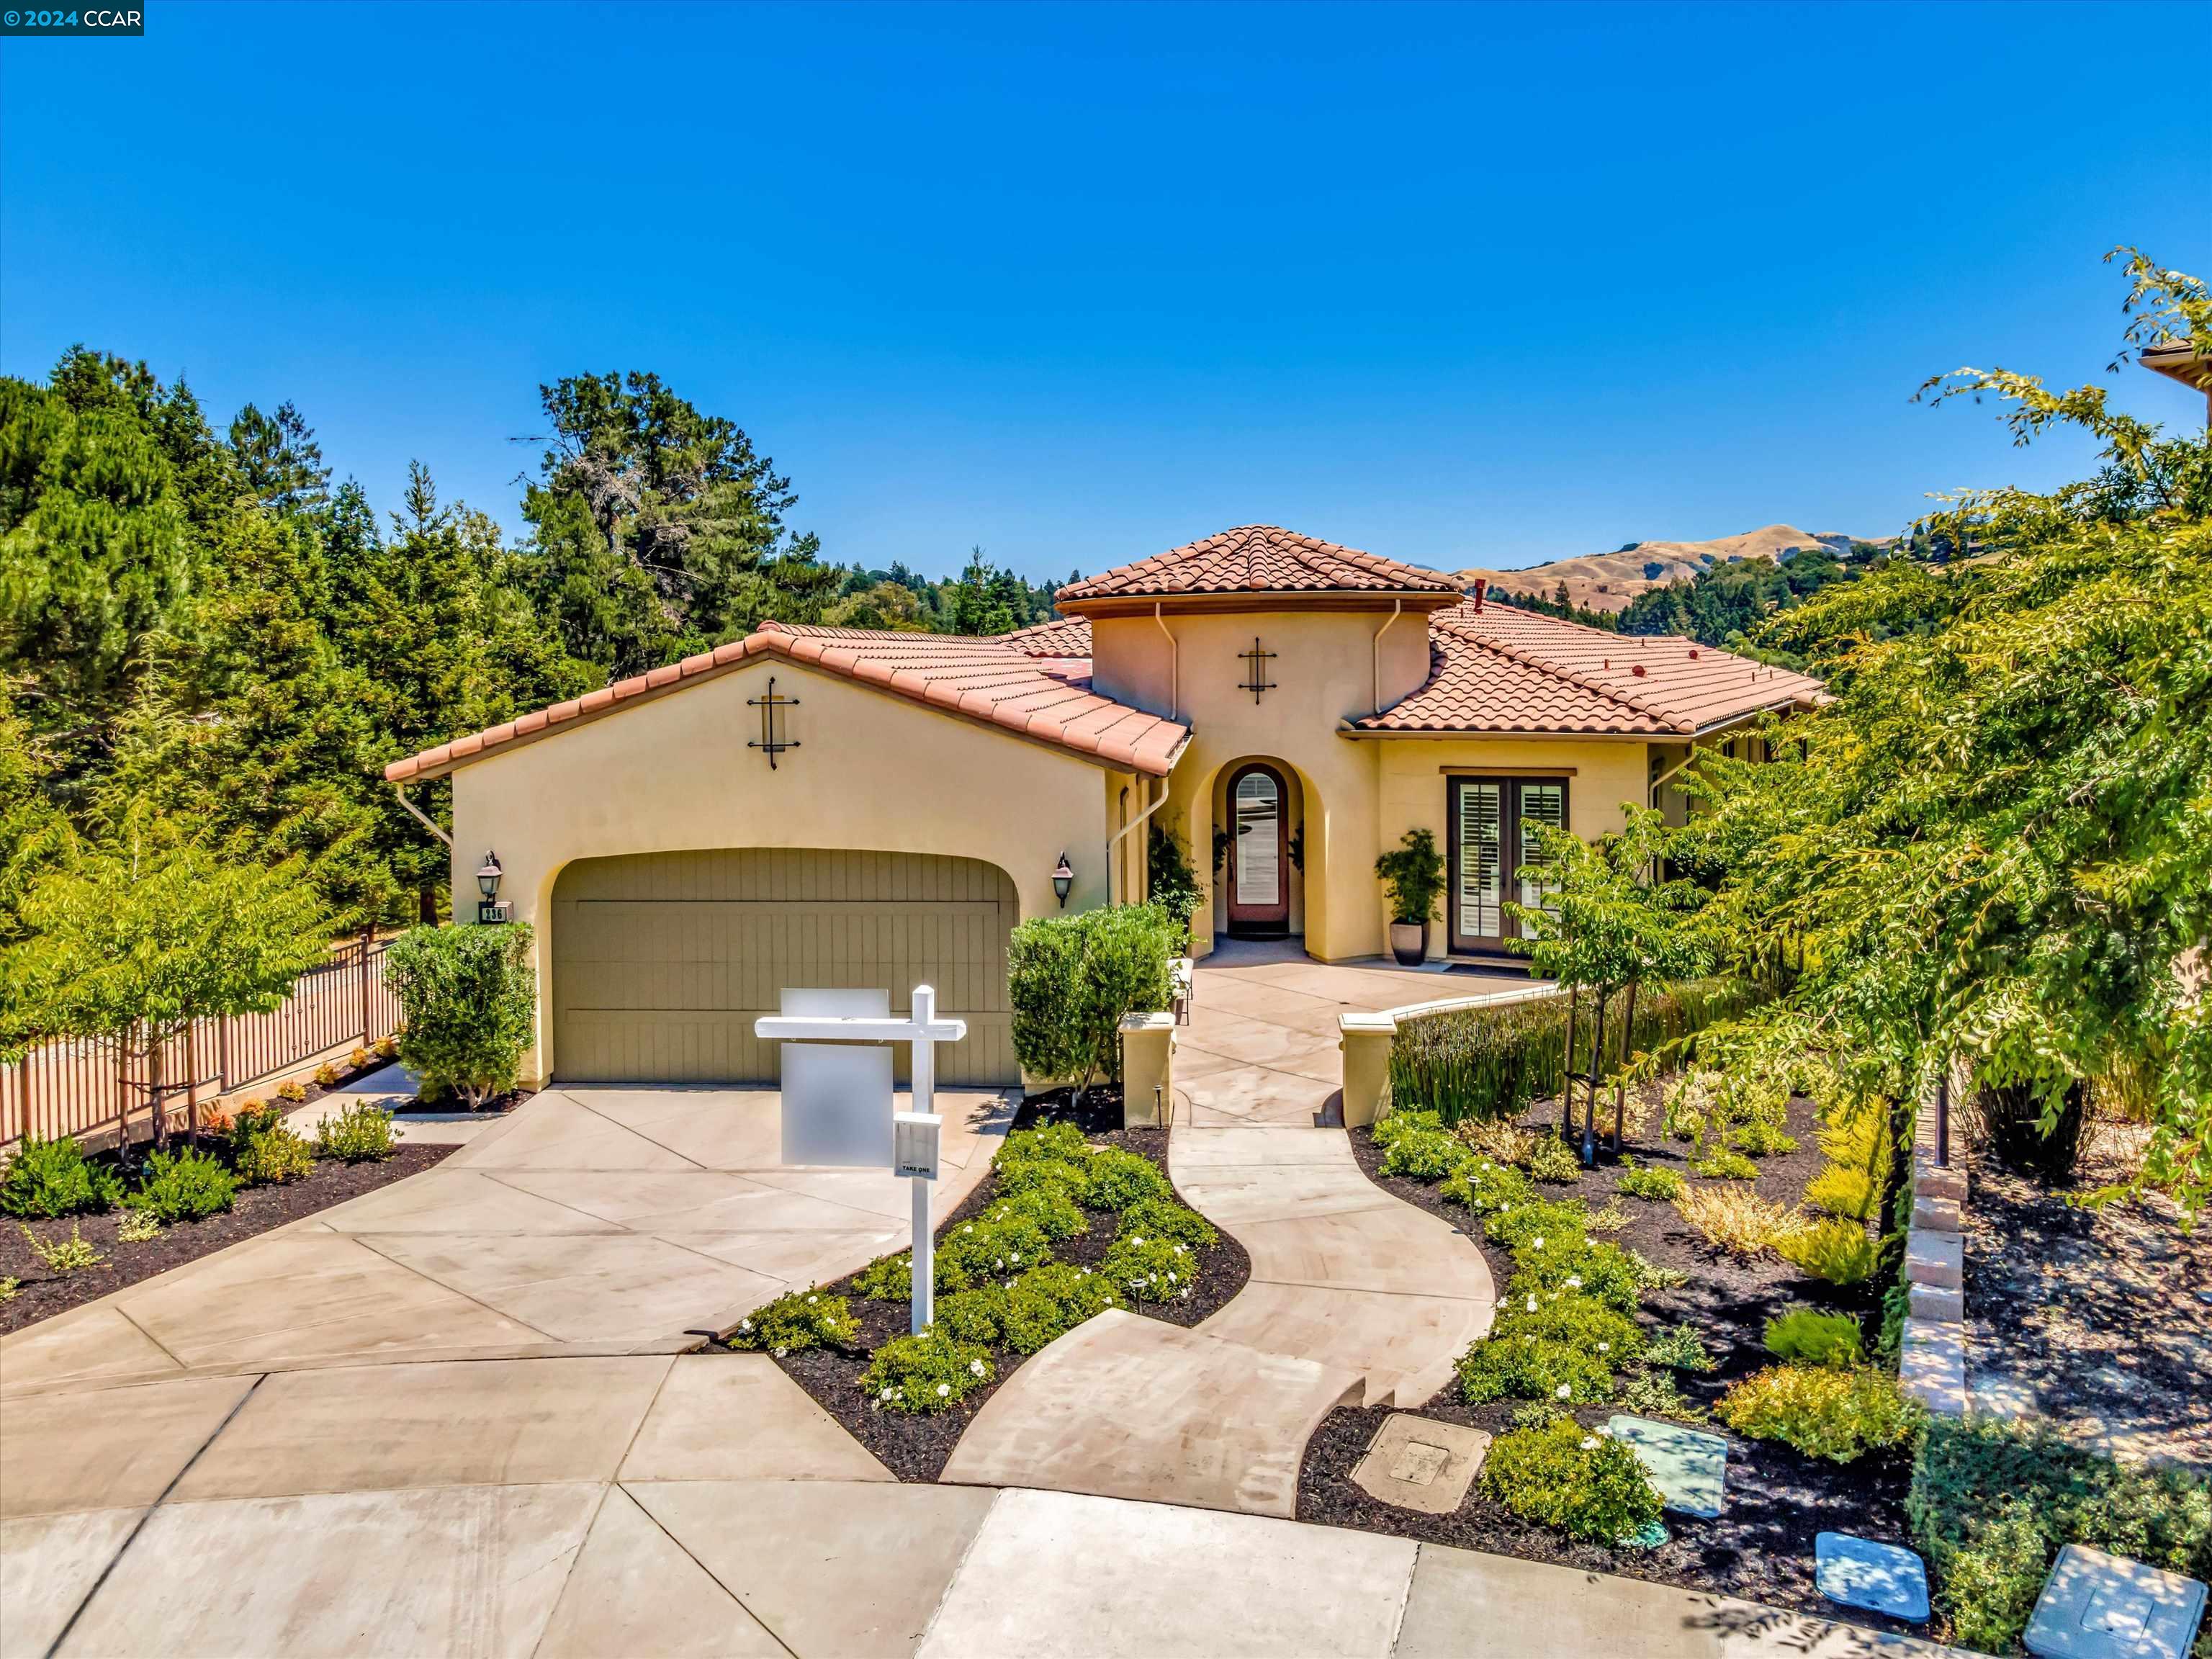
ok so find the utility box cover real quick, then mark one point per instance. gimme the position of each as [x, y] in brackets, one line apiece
[914, 1138]
[2096, 1605]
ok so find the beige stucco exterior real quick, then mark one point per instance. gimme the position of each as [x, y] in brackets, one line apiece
[873, 772]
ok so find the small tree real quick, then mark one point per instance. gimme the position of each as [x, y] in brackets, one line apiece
[1606, 925]
[136, 939]
[1072, 978]
[468, 998]
[1415, 874]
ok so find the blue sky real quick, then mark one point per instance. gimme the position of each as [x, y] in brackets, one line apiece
[1459, 284]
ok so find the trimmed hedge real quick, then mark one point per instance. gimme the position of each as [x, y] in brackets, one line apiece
[1491, 1062]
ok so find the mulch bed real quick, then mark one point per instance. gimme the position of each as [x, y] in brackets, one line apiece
[917, 1447]
[2098, 1320]
[1760, 1548]
[258, 1209]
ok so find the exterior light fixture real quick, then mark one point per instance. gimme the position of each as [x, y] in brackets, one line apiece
[1063, 878]
[490, 910]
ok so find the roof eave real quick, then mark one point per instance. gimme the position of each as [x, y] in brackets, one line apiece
[1233, 600]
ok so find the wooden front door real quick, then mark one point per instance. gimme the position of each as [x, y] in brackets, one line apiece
[1259, 854]
[1493, 839]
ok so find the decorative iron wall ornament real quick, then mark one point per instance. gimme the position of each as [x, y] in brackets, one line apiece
[1255, 662]
[771, 706]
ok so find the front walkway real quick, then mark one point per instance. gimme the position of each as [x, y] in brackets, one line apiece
[1261, 1044]
[1355, 1296]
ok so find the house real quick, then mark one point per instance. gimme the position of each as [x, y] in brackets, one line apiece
[827, 806]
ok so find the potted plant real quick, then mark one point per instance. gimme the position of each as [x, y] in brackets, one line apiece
[1414, 873]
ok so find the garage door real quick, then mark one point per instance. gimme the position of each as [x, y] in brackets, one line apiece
[662, 962]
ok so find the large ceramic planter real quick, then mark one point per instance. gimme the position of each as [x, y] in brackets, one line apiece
[1409, 943]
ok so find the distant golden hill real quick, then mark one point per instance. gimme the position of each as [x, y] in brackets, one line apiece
[1608, 581]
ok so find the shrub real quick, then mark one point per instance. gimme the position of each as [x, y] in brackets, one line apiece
[1413, 874]
[1053, 1300]
[1646, 1392]
[1120, 1178]
[1838, 1251]
[1169, 880]
[1760, 1138]
[387, 1047]
[1650, 1276]
[1072, 979]
[1500, 1141]
[184, 1186]
[63, 1256]
[1860, 1152]
[1679, 1348]
[1049, 1143]
[1605, 1272]
[1424, 1155]
[1586, 1484]
[1532, 1368]
[326, 1076]
[1388, 1130]
[1049, 1208]
[795, 1321]
[1736, 1220]
[359, 1134]
[1723, 1163]
[468, 997]
[1651, 1183]
[1804, 1337]
[1846, 1194]
[1610, 1219]
[1163, 1217]
[1486, 1188]
[50, 1178]
[1553, 1160]
[1491, 1062]
[931, 1372]
[292, 1091]
[1150, 1268]
[1691, 1104]
[1581, 1323]
[974, 1316]
[992, 1247]
[137, 1227]
[1992, 1503]
[215, 1122]
[9, 1285]
[1840, 1415]
[358, 1061]
[1070, 1181]
[887, 1278]
[1562, 1226]
[270, 1156]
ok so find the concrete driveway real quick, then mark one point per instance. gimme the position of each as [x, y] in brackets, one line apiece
[590, 1221]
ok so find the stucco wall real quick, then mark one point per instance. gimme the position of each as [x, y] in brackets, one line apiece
[1324, 672]
[1601, 774]
[873, 772]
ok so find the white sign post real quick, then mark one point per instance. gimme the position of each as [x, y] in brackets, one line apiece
[914, 1135]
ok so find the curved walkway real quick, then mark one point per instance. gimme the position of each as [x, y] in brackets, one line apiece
[1355, 1298]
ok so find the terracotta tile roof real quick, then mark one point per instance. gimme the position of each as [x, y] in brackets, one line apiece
[1062, 636]
[1503, 669]
[981, 679]
[1259, 558]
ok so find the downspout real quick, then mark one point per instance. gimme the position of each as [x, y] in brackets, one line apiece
[1118, 834]
[1175, 665]
[400, 790]
[1396, 607]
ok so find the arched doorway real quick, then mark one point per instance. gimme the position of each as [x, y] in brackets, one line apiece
[1259, 863]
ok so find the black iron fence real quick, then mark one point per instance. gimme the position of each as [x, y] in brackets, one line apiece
[97, 1088]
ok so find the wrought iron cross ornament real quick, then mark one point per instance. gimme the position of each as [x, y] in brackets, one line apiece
[771, 706]
[1255, 662]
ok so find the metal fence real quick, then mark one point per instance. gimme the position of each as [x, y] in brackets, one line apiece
[97, 1087]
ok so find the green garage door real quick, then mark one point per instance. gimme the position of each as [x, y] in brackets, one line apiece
[662, 962]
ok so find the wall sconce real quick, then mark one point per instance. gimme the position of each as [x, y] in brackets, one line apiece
[488, 884]
[1063, 878]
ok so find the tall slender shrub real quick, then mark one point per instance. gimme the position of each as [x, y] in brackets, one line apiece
[1072, 978]
[468, 997]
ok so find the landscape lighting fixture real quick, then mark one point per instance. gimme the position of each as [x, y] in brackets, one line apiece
[1063, 878]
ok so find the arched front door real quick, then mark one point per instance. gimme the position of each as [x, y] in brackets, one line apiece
[1259, 854]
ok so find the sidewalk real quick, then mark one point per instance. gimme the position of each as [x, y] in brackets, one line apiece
[703, 1504]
